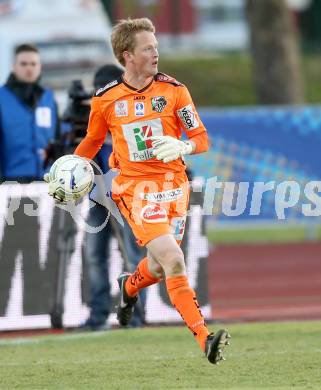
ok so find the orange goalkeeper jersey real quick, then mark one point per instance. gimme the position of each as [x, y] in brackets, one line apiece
[164, 107]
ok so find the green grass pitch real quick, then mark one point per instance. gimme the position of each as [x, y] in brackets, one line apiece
[261, 356]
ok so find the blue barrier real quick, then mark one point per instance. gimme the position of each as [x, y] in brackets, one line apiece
[262, 145]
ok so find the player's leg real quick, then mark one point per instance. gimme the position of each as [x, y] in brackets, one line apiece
[169, 255]
[145, 273]
[148, 272]
[135, 254]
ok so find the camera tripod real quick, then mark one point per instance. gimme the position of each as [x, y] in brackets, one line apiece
[65, 247]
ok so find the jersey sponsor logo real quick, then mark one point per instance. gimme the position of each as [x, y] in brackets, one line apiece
[188, 117]
[178, 227]
[137, 136]
[109, 85]
[121, 108]
[139, 109]
[153, 213]
[164, 196]
[158, 103]
[139, 97]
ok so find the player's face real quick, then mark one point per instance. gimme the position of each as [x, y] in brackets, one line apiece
[27, 67]
[145, 55]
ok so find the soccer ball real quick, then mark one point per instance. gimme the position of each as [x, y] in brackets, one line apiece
[70, 178]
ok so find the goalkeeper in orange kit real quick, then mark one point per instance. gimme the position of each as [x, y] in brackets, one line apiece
[146, 112]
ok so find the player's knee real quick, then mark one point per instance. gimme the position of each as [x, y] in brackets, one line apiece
[177, 267]
[158, 272]
[155, 269]
[173, 263]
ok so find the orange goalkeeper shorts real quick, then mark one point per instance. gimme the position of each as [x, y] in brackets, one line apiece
[153, 206]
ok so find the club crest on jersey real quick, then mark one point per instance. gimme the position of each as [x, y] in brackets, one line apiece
[188, 117]
[139, 109]
[121, 108]
[158, 103]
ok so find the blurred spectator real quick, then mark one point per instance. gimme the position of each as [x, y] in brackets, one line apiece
[97, 246]
[28, 120]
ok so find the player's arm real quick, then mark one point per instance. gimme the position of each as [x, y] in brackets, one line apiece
[167, 148]
[190, 121]
[200, 142]
[96, 132]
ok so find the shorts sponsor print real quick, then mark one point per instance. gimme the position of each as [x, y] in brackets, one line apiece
[153, 213]
[149, 218]
[163, 196]
[178, 227]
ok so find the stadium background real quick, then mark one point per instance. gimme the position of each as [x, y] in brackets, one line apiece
[248, 268]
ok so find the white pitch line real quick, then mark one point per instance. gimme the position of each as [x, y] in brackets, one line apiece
[45, 339]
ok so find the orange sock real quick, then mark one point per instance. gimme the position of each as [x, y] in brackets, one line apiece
[184, 300]
[141, 278]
